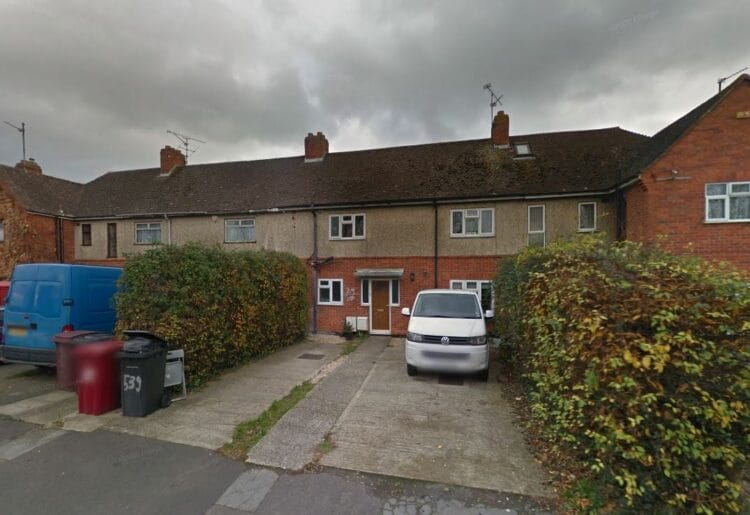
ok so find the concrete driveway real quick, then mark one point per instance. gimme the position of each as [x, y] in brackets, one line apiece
[374, 418]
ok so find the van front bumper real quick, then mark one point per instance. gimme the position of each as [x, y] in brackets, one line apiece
[27, 355]
[447, 358]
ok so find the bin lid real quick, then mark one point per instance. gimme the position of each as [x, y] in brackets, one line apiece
[79, 337]
[142, 348]
[100, 348]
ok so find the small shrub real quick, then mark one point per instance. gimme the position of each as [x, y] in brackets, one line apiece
[638, 364]
[223, 308]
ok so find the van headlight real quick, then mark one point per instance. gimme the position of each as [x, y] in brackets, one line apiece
[478, 340]
[414, 337]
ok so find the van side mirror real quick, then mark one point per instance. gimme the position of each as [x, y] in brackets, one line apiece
[489, 313]
[406, 312]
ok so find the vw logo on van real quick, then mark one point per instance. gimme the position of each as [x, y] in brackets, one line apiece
[445, 340]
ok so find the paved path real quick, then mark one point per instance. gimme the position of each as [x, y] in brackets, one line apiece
[206, 419]
[293, 442]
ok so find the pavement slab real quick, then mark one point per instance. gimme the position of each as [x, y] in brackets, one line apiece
[293, 441]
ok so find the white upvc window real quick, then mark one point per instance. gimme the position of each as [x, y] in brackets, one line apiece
[728, 202]
[483, 289]
[2, 231]
[147, 233]
[537, 236]
[365, 292]
[347, 227]
[331, 292]
[239, 231]
[472, 222]
[587, 217]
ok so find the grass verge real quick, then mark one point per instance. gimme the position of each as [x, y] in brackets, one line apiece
[248, 433]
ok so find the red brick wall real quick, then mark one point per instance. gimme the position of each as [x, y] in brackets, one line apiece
[715, 149]
[331, 318]
[29, 238]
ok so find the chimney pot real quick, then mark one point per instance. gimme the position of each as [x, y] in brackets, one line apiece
[29, 165]
[316, 146]
[501, 130]
[171, 158]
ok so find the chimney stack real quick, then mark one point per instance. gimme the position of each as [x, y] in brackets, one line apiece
[171, 158]
[29, 165]
[501, 130]
[316, 147]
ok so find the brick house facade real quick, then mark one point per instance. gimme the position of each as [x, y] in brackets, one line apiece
[709, 145]
[35, 217]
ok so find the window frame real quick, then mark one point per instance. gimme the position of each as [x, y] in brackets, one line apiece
[362, 300]
[353, 222]
[479, 233]
[522, 144]
[2, 231]
[463, 282]
[149, 228]
[329, 285]
[726, 197]
[586, 229]
[394, 287]
[252, 220]
[544, 223]
[86, 235]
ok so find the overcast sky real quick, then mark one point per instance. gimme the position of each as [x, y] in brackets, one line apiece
[98, 82]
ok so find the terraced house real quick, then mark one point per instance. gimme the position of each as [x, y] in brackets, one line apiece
[376, 226]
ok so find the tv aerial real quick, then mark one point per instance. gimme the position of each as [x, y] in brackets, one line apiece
[494, 100]
[185, 143]
[722, 80]
[22, 130]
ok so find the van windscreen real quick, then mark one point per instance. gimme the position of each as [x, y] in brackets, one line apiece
[447, 305]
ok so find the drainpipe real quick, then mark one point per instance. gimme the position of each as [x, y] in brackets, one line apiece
[169, 229]
[314, 261]
[59, 238]
[435, 258]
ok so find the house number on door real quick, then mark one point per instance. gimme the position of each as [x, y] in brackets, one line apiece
[131, 383]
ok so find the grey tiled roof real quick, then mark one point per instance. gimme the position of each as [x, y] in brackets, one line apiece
[563, 162]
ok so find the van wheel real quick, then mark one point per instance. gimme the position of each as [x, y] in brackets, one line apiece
[411, 370]
[484, 375]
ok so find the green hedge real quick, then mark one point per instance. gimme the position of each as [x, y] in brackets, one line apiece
[223, 308]
[638, 365]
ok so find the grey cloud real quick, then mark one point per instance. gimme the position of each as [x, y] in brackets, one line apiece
[99, 82]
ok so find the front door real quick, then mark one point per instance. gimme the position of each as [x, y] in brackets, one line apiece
[111, 240]
[381, 312]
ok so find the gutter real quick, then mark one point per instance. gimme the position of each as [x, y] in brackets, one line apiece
[435, 236]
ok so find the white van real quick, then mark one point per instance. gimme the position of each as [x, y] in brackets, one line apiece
[447, 333]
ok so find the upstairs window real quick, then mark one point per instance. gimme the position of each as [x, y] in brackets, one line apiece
[330, 292]
[587, 217]
[148, 233]
[347, 227]
[728, 202]
[239, 231]
[85, 235]
[537, 236]
[473, 222]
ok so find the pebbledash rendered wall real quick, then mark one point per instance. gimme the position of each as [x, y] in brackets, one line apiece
[668, 205]
[401, 237]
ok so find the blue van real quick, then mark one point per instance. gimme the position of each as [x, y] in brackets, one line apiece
[45, 299]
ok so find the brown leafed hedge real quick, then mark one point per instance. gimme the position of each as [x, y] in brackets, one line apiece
[223, 308]
[638, 365]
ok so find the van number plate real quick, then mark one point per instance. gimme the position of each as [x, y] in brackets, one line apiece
[17, 331]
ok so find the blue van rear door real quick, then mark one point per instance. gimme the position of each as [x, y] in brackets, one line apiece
[36, 309]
